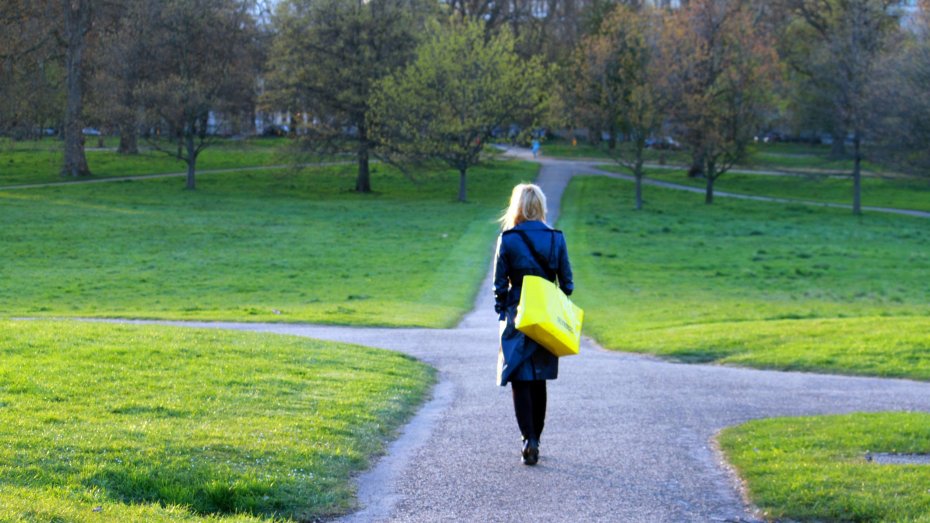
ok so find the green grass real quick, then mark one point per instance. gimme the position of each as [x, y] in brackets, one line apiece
[756, 284]
[258, 246]
[790, 156]
[170, 424]
[779, 156]
[898, 192]
[563, 149]
[814, 469]
[40, 161]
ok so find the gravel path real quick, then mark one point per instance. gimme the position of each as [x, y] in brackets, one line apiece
[628, 437]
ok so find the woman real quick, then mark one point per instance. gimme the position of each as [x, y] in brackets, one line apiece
[527, 246]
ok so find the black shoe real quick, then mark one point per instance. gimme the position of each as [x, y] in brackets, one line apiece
[530, 452]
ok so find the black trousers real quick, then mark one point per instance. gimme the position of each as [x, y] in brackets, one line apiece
[529, 403]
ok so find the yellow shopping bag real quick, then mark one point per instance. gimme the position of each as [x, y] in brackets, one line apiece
[548, 317]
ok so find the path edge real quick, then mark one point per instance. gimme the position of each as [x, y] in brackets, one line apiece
[376, 493]
[734, 478]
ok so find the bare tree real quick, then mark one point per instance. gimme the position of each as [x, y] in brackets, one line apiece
[30, 72]
[718, 71]
[838, 48]
[202, 58]
[902, 100]
[121, 65]
[616, 85]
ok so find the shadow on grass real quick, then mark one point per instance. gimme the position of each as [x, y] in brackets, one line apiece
[204, 489]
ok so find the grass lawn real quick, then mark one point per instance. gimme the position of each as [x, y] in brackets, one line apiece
[900, 192]
[779, 156]
[40, 161]
[141, 423]
[795, 156]
[260, 246]
[763, 285]
[563, 149]
[814, 469]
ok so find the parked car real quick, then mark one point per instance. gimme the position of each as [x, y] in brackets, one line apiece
[665, 142]
[90, 131]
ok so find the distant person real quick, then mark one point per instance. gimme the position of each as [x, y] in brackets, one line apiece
[535, 147]
[522, 362]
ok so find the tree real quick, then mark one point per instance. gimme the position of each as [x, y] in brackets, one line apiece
[203, 66]
[459, 90]
[78, 22]
[838, 44]
[616, 86]
[326, 57]
[30, 72]
[903, 101]
[718, 71]
[122, 64]
[547, 28]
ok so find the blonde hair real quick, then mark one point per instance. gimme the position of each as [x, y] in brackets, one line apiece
[527, 202]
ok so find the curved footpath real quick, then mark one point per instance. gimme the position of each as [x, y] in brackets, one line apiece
[628, 437]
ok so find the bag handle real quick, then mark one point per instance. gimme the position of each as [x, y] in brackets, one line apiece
[543, 262]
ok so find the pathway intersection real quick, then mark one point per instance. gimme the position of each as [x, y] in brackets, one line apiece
[628, 437]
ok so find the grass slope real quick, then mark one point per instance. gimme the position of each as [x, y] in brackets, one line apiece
[764, 285]
[814, 469]
[255, 246]
[149, 423]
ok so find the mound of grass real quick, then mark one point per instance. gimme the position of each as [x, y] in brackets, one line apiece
[814, 469]
[900, 192]
[141, 423]
[767, 285]
[256, 246]
[874, 346]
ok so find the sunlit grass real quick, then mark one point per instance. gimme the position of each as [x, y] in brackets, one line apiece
[102, 422]
[256, 246]
[814, 469]
[898, 192]
[758, 284]
[30, 162]
[779, 156]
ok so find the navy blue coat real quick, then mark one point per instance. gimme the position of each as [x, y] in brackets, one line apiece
[520, 358]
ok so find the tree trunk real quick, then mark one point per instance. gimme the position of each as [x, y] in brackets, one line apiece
[77, 23]
[612, 138]
[128, 126]
[638, 173]
[697, 166]
[462, 171]
[838, 148]
[363, 181]
[128, 140]
[857, 174]
[710, 176]
[191, 160]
